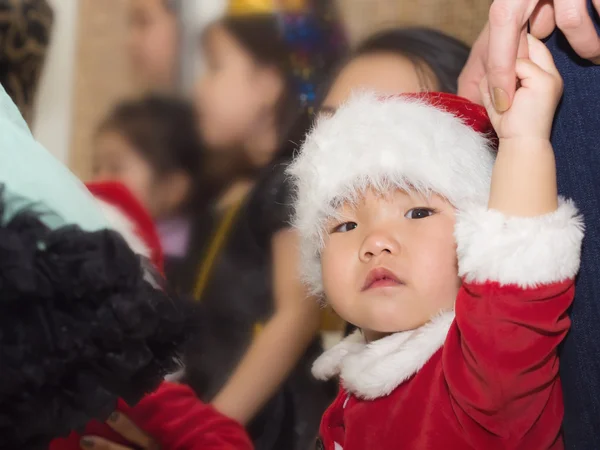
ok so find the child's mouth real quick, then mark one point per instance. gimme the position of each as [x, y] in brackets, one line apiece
[379, 278]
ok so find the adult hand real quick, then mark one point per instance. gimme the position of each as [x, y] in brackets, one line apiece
[128, 430]
[503, 40]
[573, 19]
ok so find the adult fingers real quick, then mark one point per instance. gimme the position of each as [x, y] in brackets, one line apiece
[486, 99]
[573, 19]
[507, 21]
[474, 70]
[542, 20]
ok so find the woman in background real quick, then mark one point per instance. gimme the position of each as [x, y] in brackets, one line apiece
[153, 43]
[256, 338]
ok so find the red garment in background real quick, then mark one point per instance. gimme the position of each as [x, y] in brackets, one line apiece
[176, 419]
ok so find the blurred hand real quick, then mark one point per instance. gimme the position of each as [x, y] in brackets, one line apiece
[503, 40]
[128, 430]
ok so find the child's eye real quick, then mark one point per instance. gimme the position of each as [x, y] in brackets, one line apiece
[419, 213]
[345, 227]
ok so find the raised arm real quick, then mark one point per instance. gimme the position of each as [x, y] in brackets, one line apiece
[518, 260]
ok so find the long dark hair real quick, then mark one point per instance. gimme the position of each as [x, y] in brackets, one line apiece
[260, 36]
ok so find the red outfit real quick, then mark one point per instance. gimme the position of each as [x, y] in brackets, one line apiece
[481, 377]
[493, 385]
[176, 419]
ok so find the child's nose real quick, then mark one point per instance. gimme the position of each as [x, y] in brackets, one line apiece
[376, 244]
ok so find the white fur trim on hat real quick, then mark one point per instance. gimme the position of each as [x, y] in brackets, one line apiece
[526, 251]
[383, 144]
[374, 370]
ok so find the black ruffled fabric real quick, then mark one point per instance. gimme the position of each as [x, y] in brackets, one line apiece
[83, 321]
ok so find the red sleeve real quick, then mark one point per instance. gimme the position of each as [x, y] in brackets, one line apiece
[500, 357]
[175, 417]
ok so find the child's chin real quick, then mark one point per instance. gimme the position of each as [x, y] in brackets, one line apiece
[387, 322]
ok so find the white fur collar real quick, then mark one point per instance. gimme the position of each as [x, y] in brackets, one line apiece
[374, 370]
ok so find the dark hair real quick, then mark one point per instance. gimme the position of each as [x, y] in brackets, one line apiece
[163, 131]
[260, 35]
[428, 49]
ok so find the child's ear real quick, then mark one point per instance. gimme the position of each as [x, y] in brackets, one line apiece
[176, 189]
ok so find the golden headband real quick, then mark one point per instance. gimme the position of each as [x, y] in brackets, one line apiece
[249, 7]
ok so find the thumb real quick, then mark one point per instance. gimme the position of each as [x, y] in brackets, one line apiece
[507, 36]
[486, 99]
[474, 70]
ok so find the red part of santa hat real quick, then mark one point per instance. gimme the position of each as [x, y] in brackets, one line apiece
[427, 143]
[128, 217]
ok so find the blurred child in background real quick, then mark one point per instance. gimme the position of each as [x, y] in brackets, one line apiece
[152, 146]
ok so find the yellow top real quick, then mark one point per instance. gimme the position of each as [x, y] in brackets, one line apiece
[249, 7]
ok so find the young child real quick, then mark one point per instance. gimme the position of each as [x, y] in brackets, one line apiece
[152, 146]
[456, 264]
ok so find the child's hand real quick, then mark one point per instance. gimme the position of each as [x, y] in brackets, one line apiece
[535, 102]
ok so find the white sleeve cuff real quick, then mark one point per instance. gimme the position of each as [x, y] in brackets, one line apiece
[525, 251]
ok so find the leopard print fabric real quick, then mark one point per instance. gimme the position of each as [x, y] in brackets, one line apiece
[25, 27]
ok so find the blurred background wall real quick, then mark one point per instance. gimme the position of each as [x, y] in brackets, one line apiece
[87, 72]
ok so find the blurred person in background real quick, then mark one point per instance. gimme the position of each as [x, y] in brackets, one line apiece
[398, 60]
[25, 29]
[256, 335]
[163, 41]
[153, 43]
[151, 145]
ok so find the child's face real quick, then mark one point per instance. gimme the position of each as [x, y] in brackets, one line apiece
[153, 43]
[390, 263]
[115, 159]
[235, 94]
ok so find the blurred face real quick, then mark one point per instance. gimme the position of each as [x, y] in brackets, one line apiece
[235, 97]
[384, 73]
[389, 262]
[153, 43]
[115, 159]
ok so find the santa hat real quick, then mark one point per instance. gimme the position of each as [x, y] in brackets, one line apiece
[427, 143]
[127, 216]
